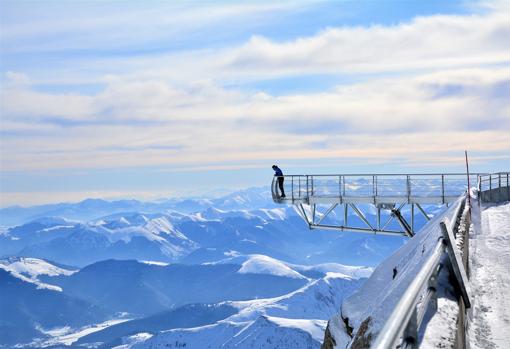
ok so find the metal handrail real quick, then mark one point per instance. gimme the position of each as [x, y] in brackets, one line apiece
[404, 322]
[405, 309]
[442, 186]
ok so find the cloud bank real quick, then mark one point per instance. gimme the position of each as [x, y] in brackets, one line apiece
[414, 92]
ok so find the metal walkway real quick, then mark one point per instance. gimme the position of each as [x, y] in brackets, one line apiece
[318, 198]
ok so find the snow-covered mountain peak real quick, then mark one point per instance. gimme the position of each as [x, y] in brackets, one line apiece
[29, 270]
[33, 267]
[260, 264]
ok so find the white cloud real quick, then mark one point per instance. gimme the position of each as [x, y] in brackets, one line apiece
[154, 123]
[170, 109]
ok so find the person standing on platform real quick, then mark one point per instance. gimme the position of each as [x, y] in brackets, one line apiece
[279, 174]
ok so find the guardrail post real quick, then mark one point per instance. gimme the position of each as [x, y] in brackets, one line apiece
[311, 178]
[433, 288]
[411, 330]
[507, 188]
[490, 187]
[343, 186]
[456, 261]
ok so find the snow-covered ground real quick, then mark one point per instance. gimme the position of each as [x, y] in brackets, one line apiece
[490, 278]
[29, 269]
[296, 320]
[68, 336]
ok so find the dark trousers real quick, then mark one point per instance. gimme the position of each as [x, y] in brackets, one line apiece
[280, 184]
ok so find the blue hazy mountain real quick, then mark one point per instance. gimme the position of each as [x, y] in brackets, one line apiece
[236, 266]
[191, 315]
[142, 289]
[27, 306]
[90, 209]
[193, 238]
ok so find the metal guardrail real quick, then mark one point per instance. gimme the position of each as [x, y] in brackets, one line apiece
[430, 188]
[494, 187]
[402, 327]
[494, 180]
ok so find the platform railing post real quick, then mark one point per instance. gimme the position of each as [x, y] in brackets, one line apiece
[292, 187]
[412, 218]
[376, 185]
[343, 186]
[408, 188]
[442, 187]
[373, 187]
[311, 178]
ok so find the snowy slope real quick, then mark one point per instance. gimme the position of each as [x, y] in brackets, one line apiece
[265, 332]
[319, 299]
[294, 320]
[260, 264]
[33, 267]
[29, 270]
[29, 306]
[490, 277]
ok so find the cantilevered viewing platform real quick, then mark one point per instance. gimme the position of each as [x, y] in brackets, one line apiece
[387, 192]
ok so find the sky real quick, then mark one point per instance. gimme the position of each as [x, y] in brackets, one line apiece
[152, 99]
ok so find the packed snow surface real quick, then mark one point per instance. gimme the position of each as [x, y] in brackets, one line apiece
[490, 277]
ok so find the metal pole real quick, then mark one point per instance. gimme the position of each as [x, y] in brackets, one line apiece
[292, 187]
[442, 187]
[469, 185]
[307, 195]
[507, 188]
[412, 218]
[378, 218]
[374, 192]
[408, 189]
[490, 187]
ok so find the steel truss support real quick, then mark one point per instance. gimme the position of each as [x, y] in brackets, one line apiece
[316, 219]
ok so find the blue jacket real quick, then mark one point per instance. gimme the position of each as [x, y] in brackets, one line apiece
[278, 172]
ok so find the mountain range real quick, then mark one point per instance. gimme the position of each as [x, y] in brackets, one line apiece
[236, 271]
